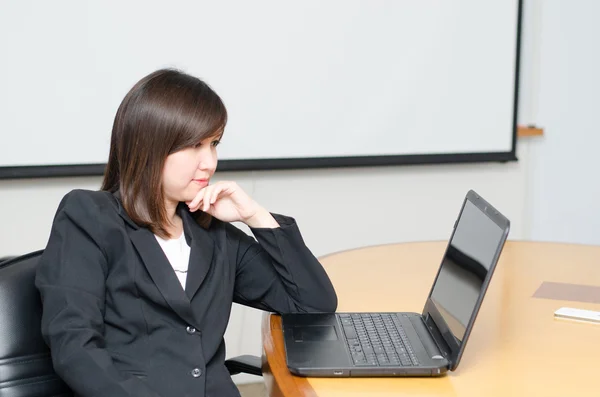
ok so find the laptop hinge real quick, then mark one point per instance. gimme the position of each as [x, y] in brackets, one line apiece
[436, 335]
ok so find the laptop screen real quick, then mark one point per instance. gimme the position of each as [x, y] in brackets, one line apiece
[472, 253]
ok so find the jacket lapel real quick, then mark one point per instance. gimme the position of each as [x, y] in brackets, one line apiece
[162, 272]
[158, 266]
[201, 255]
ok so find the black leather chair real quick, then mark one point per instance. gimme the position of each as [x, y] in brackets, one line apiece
[25, 364]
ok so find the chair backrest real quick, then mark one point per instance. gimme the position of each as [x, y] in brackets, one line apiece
[25, 364]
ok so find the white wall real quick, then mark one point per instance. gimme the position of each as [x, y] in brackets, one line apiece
[337, 209]
[564, 196]
[550, 194]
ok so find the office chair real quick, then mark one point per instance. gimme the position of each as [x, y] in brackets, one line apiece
[25, 363]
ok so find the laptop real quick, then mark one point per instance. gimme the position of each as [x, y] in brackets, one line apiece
[407, 344]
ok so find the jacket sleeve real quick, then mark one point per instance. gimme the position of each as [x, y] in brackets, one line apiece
[71, 279]
[278, 272]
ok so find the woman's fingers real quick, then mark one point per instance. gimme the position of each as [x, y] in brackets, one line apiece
[195, 203]
[211, 194]
[214, 195]
[207, 194]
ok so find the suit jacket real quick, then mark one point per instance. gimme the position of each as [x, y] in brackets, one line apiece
[117, 320]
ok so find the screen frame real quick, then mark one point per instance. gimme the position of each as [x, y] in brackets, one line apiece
[80, 170]
[439, 329]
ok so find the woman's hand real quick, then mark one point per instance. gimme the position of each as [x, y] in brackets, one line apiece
[226, 201]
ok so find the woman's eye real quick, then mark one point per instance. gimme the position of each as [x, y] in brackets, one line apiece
[215, 143]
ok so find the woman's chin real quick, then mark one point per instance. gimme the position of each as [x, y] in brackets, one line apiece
[187, 198]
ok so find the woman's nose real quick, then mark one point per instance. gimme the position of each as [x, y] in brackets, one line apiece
[208, 161]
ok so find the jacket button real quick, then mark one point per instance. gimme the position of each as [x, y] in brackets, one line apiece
[190, 330]
[196, 372]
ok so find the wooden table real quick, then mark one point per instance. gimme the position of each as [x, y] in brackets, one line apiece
[516, 348]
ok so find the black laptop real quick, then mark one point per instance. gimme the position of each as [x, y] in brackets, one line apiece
[407, 344]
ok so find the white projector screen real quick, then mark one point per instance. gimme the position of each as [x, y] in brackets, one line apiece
[309, 83]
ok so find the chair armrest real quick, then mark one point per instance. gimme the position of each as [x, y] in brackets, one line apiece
[244, 364]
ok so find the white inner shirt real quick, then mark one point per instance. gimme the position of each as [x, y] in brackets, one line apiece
[178, 253]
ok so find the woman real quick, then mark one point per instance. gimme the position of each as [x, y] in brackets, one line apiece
[137, 280]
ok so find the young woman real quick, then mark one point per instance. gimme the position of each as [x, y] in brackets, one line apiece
[137, 279]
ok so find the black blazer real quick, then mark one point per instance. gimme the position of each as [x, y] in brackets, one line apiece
[117, 320]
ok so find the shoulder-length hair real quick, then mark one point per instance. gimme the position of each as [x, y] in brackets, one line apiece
[163, 113]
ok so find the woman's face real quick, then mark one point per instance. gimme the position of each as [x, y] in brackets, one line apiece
[189, 170]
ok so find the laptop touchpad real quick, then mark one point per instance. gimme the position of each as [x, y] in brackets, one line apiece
[315, 333]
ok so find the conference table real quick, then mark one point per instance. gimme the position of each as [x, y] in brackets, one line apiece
[516, 348]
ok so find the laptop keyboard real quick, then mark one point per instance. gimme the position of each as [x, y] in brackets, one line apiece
[374, 339]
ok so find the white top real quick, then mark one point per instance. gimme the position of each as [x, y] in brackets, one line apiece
[178, 253]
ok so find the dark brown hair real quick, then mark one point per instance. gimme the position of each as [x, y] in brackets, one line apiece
[165, 112]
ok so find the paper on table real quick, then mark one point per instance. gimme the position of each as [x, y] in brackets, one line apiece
[568, 292]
